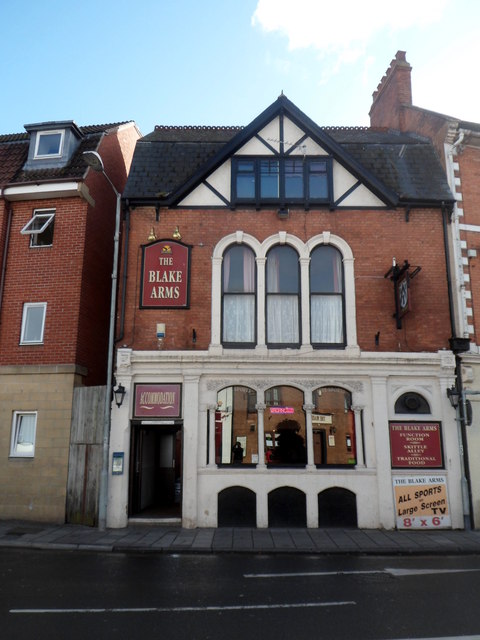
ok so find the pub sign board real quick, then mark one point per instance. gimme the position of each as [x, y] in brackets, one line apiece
[416, 445]
[165, 282]
[158, 400]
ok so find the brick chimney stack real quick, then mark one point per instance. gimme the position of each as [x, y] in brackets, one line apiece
[393, 93]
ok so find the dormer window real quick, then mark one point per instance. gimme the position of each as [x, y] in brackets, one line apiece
[49, 144]
[40, 228]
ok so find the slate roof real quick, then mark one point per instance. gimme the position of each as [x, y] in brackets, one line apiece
[169, 156]
[400, 167]
[406, 163]
[14, 151]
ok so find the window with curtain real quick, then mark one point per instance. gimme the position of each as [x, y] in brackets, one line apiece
[23, 434]
[283, 297]
[238, 312]
[326, 297]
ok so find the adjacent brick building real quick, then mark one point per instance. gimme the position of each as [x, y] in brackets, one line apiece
[284, 329]
[56, 245]
[458, 146]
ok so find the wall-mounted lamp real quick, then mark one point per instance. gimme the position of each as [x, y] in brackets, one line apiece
[283, 213]
[119, 394]
[194, 336]
[176, 234]
[160, 334]
[454, 396]
[151, 236]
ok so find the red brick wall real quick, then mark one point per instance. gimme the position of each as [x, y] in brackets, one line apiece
[375, 237]
[73, 275]
[394, 90]
[43, 274]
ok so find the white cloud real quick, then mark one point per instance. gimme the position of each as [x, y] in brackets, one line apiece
[443, 81]
[342, 27]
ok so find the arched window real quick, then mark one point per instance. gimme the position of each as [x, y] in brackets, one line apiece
[333, 424]
[238, 309]
[236, 426]
[284, 426]
[283, 297]
[411, 403]
[326, 297]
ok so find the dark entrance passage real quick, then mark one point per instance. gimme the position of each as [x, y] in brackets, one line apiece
[155, 471]
[237, 507]
[337, 507]
[287, 507]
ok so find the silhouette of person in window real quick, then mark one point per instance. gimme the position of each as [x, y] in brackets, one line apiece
[291, 447]
[237, 452]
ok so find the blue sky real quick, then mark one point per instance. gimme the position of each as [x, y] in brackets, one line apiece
[221, 62]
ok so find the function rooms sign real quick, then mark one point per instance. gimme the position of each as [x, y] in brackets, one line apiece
[165, 275]
[416, 445]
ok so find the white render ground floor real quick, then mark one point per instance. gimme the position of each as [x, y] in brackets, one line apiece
[284, 438]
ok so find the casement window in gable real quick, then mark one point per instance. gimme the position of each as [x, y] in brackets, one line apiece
[40, 228]
[281, 180]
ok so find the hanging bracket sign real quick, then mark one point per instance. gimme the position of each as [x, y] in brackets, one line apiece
[401, 276]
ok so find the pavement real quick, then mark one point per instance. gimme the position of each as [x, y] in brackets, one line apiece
[162, 538]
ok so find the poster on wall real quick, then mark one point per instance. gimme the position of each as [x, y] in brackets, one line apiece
[421, 502]
[158, 400]
[416, 445]
[165, 275]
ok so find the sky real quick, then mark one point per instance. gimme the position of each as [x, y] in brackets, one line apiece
[222, 62]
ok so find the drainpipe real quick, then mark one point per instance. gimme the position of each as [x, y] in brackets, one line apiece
[462, 408]
[124, 275]
[4, 258]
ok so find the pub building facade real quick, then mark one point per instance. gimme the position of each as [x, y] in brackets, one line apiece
[283, 330]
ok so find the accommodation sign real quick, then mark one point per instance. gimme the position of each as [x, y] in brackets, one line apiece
[158, 400]
[165, 275]
[421, 502]
[416, 445]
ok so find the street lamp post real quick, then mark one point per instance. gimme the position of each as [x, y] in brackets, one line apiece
[94, 160]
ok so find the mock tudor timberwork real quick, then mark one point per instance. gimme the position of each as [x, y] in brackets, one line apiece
[289, 358]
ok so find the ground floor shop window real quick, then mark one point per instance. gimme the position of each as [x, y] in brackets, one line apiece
[236, 430]
[333, 424]
[285, 441]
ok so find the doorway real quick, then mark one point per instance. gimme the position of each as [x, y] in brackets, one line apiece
[156, 472]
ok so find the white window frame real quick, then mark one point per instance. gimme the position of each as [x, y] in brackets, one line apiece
[15, 451]
[49, 133]
[26, 307]
[29, 230]
[304, 250]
